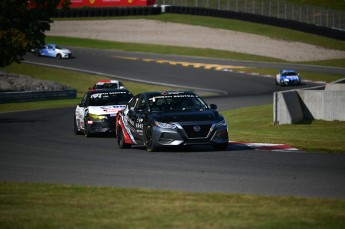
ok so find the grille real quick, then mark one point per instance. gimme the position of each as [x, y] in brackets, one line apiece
[202, 133]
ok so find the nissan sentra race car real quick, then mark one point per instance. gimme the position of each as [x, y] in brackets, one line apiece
[170, 118]
[96, 112]
[288, 78]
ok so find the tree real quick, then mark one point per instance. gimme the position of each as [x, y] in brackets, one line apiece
[22, 26]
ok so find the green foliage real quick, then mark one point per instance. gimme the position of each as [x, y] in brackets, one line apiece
[22, 26]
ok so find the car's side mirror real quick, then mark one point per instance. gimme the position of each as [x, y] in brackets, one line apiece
[213, 106]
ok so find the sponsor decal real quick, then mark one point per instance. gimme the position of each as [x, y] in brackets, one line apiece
[92, 2]
[112, 110]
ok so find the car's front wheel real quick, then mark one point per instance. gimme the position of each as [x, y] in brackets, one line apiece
[121, 141]
[76, 130]
[58, 56]
[86, 130]
[149, 140]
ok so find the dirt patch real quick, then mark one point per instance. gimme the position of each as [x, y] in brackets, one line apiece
[166, 33]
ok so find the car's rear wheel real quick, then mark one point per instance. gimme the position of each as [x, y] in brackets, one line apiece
[121, 141]
[149, 140]
[220, 146]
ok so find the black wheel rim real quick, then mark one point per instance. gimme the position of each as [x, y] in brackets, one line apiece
[149, 140]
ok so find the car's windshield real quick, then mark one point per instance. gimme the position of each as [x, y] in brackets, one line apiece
[289, 74]
[106, 86]
[176, 103]
[109, 98]
[58, 47]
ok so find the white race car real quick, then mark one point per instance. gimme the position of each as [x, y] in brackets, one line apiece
[288, 78]
[96, 112]
[107, 84]
[53, 50]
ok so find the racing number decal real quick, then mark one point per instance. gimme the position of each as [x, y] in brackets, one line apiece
[139, 125]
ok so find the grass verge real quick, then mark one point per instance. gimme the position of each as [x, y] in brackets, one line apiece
[24, 205]
[255, 124]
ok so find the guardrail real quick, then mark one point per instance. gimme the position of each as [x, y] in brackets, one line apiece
[30, 96]
[288, 10]
[107, 12]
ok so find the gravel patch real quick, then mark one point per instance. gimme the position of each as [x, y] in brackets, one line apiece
[11, 82]
[166, 33]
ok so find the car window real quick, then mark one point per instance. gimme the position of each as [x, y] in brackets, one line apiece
[176, 103]
[84, 99]
[133, 102]
[141, 104]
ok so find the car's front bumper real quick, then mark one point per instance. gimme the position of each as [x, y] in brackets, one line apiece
[66, 55]
[101, 126]
[185, 136]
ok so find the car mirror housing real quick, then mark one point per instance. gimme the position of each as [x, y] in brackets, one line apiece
[213, 106]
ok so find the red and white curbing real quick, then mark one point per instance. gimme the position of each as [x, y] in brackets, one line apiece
[261, 146]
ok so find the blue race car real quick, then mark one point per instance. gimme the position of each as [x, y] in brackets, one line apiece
[288, 78]
[53, 50]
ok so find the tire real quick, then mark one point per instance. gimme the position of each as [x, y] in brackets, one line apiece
[76, 131]
[149, 140]
[58, 56]
[121, 141]
[220, 146]
[87, 133]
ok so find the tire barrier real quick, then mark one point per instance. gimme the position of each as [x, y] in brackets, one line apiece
[107, 12]
[289, 24]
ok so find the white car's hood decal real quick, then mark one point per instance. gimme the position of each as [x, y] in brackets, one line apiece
[101, 110]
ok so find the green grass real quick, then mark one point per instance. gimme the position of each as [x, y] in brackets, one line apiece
[255, 124]
[160, 49]
[76, 80]
[24, 205]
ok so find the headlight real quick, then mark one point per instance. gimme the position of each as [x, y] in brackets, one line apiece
[97, 117]
[165, 125]
[221, 123]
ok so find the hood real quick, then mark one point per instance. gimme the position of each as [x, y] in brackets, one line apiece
[102, 110]
[207, 115]
[64, 50]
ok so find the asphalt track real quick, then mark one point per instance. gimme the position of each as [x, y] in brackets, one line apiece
[39, 146]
